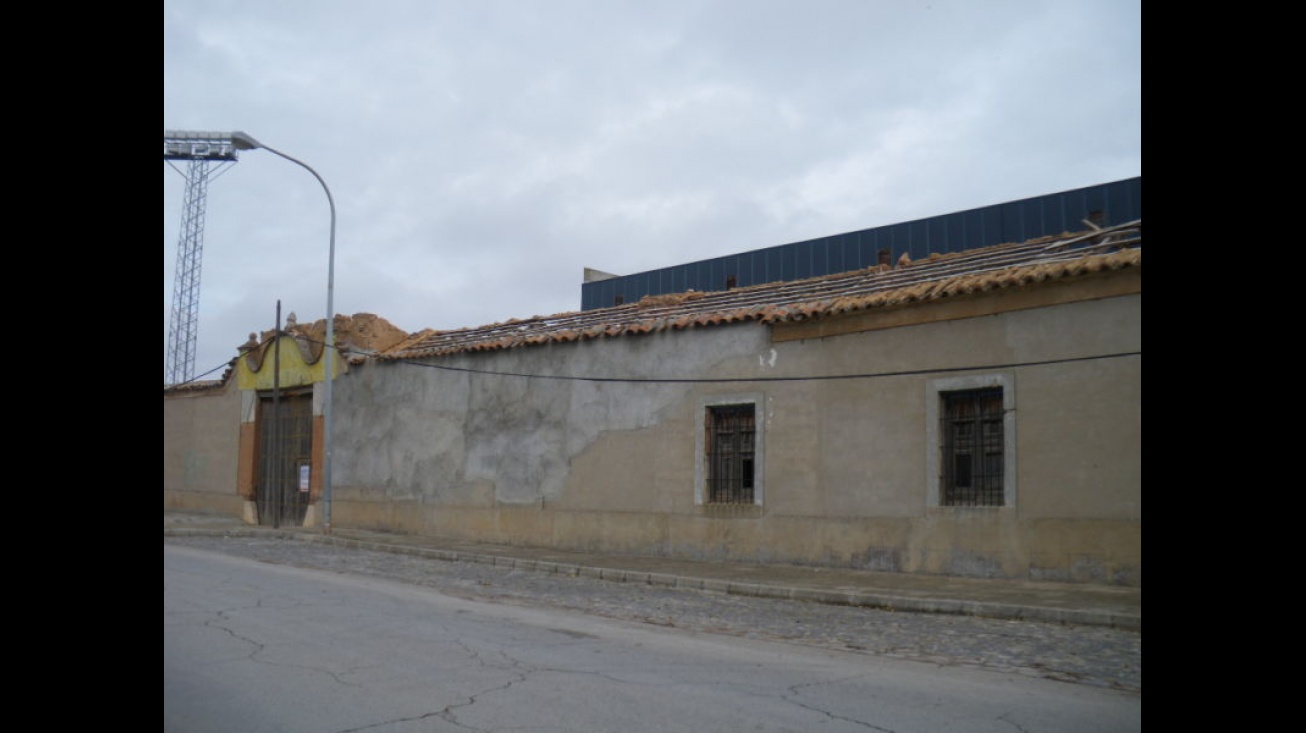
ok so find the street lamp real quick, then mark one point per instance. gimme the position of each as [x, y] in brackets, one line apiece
[242, 141]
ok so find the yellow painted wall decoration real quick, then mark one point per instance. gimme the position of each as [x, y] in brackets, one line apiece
[255, 370]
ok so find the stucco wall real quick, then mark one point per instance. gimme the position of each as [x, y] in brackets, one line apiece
[610, 464]
[201, 441]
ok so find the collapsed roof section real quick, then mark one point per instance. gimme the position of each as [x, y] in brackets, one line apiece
[909, 282]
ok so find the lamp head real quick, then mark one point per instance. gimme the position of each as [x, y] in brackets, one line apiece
[242, 141]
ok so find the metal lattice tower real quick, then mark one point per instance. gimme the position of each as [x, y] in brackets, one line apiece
[206, 152]
[183, 324]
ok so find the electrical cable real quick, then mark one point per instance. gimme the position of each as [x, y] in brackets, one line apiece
[871, 375]
[224, 365]
[724, 380]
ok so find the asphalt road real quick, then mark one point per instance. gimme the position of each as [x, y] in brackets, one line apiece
[257, 637]
[1095, 656]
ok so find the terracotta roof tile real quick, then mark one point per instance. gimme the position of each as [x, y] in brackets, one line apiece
[912, 281]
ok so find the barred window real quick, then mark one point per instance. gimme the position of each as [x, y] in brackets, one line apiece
[973, 446]
[730, 445]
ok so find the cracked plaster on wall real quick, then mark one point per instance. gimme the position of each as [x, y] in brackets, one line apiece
[413, 432]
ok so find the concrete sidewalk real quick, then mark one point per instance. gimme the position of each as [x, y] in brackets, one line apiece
[1074, 603]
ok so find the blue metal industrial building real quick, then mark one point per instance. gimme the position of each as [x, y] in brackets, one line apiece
[1105, 204]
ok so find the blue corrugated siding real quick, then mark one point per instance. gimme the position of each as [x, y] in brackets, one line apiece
[1013, 221]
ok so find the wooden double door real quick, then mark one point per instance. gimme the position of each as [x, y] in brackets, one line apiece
[285, 457]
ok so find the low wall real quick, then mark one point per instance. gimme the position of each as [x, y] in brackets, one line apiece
[969, 543]
[198, 502]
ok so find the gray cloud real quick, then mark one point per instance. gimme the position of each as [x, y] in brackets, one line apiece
[481, 154]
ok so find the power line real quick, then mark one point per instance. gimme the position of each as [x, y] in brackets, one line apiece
[224, 365]
[828, 377]
[730, 380]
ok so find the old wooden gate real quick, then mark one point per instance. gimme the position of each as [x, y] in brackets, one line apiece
[285, 457]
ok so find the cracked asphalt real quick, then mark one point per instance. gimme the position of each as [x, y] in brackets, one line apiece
[1088, 655]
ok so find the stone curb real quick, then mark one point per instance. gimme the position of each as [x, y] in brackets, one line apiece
[880, 601]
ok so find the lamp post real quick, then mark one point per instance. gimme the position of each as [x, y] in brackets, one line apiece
[242, 141]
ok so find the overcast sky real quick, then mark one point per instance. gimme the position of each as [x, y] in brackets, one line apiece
[482, 153]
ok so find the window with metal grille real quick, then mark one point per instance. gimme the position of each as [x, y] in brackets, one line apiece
[973, 447]
[730, 451]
